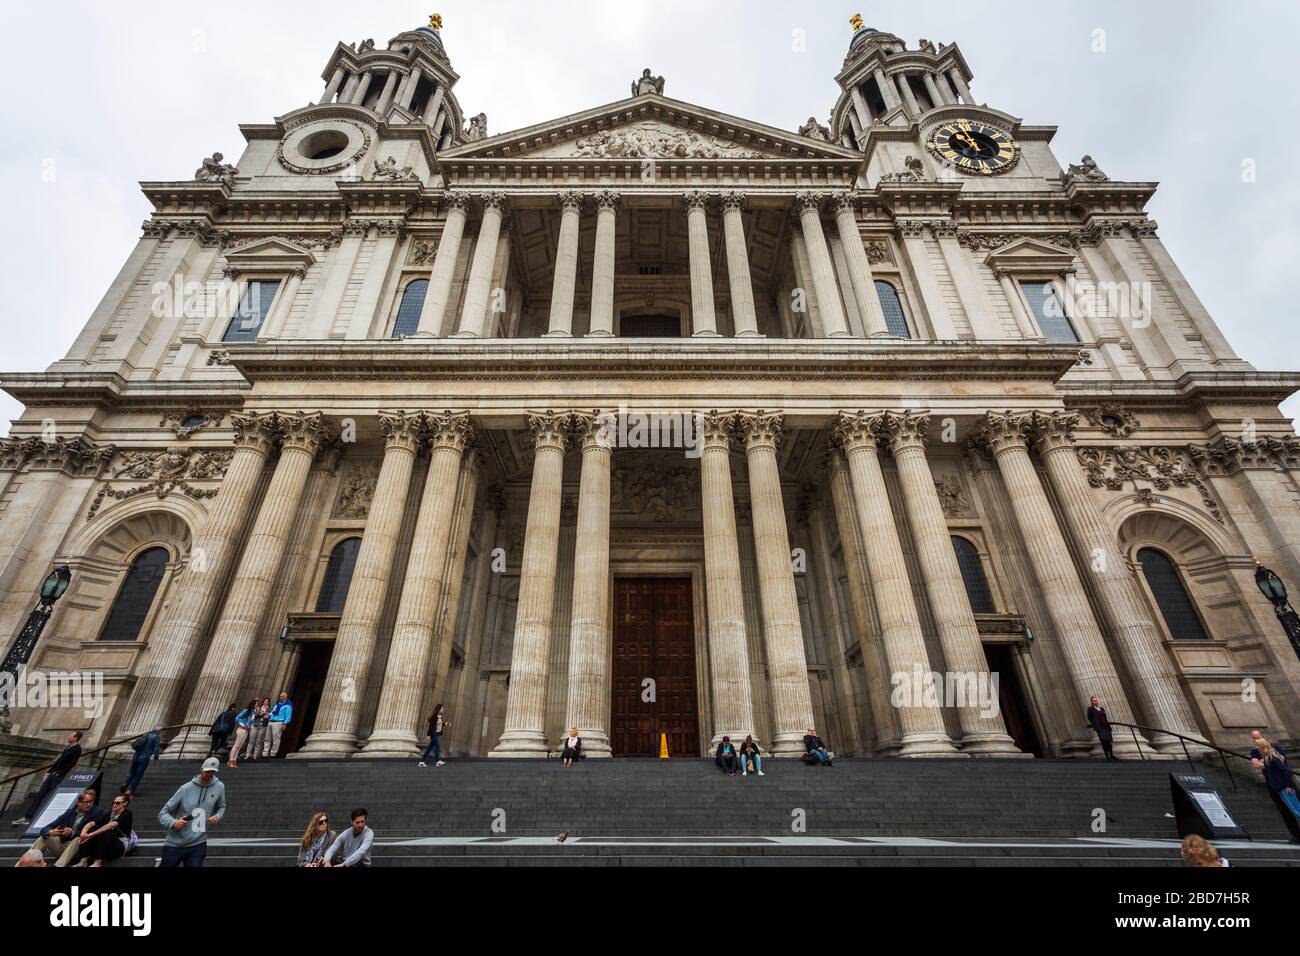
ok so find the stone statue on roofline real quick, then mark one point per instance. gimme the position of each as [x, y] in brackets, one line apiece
[815, 130]
[214, 170]
[1086, 170]
[648, 84]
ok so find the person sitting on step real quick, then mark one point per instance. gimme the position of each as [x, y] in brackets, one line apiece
[816, 748]
[750, 757]
[725, 757]
[572, 748]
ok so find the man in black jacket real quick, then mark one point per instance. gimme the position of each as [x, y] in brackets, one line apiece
[816, 748]
[1097, 720]
[54, 776]
[60, 837]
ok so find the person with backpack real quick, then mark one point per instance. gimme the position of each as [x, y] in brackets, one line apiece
[221, 730]
[148, 746]
[243, 727]
[816, 749]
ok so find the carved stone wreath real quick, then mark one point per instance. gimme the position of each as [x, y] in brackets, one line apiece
[164, 472]
[1113, 417]
[349, 156]
[176, 421]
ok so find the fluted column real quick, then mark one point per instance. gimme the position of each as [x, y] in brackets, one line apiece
[930, 87]
[478, 287]
[823, 269]
[333, 86]
[566, 265]
[860, 108]
[864, 284]
[733, 711]
[250, 590]
[743, 314]
[1093, 672]
[175, 640]
[525, 728]
[602, 267]
[386, 97]
[905, 88]
[920, 720]
[1023, 320]
[444, 265]
[787, 667]
[982, 735]
[335, 729]
[408, 651]
[959, 82]
[1133, 631]
[589, 663]
[703, 321]
[407, 91]
[887, 91]
[362, 88]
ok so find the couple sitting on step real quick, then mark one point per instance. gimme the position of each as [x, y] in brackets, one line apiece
[747, 755]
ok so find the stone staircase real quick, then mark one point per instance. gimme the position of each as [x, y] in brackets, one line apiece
[630, 812]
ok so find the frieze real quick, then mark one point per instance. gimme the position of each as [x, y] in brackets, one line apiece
[877, 251]
[647, 485]
[162, 473]
[357, 490]
[988, 241]
[952, 497]
[1161, 467]
[422, 252]
[650, 141]
[1226, 456]
[72, 456]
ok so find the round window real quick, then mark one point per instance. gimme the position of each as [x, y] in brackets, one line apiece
[192, 421]
[324, 144]
[1112, 421]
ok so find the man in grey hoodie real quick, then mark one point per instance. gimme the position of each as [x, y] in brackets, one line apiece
[192, 810]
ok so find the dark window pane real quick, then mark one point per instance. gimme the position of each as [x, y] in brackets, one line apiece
[252, 311]
[1171, 596]
[890, 304]
[972, 574]
[649, 327]
[1049, 312]
[136, 595]
[338, 576]
[408, 313]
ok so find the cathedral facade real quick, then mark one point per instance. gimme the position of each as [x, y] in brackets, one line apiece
[661, 423]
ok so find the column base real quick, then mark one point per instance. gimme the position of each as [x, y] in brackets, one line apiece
[390, 745]
[1173, 747]
[521, 743]
[1125, 746]
[327, 744]
[465, 335]
[785, 745]
[419, 334]
[750, 334]
[990, 745]
[737, 738]
[557, 334]
[197, 746]
[599, 334]
[841, 335]
[706, 334]
[928, 745]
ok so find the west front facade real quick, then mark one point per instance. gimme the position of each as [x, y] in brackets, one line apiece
[661, 423]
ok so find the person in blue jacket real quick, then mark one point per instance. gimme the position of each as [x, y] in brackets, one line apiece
[243, 730]
[281, 715]
[147, 747]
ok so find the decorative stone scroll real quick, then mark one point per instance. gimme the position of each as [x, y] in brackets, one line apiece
[162, 473]
[1161, 467]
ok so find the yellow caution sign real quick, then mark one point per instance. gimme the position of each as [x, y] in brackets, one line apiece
[663, 746]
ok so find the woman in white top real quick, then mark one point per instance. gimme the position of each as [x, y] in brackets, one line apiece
[572, 748]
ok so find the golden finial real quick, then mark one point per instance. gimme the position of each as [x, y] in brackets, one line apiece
[435, 21]
[856, 22]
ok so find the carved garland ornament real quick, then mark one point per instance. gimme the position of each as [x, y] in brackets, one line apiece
[164, 472]
[1165, 468]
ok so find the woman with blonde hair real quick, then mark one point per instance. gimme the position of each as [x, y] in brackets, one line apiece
[572, 748]
[1280, 780]
[317, 840]
[1198, 851]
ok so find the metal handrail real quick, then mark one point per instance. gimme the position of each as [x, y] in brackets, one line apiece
[1223, 752]
[102, 753]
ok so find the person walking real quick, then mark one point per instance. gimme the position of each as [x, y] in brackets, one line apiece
[572, 748]
[111, 838]
[260, 736]
[750, 756]
[434, 734]
[243, 727]
[1280, 780]
[148, 746]
[221, 729]
[53, 777]
[725, 756]
[280, 717]
[352, 848]
[1097, 720]
[190, 814]
[316, 841]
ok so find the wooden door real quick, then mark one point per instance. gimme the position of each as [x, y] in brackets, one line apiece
[308, 685]
[654, 637]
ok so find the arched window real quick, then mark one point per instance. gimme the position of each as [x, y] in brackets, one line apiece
[135, 597]
[892, 307]
[1175, 604]
[408, 313]
[338, 576]
[972, 575]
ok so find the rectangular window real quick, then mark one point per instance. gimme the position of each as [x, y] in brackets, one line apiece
[1049, 312]
[252, 311]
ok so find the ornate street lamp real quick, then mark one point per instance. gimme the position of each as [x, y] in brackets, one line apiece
[51, 590]
[1272, 588]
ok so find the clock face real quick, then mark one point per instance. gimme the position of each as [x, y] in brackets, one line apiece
[973, 147]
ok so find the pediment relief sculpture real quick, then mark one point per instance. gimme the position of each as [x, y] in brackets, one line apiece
[653, 141]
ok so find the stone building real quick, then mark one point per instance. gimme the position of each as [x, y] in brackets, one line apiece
[656, 421]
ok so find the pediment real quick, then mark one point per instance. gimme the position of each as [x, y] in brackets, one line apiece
[650, 127]
[1029, 253]
[269, 254]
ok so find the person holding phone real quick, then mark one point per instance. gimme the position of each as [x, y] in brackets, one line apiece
[193, 809]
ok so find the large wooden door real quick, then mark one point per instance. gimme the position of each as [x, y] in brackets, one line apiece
[654, 637]
[308, 686]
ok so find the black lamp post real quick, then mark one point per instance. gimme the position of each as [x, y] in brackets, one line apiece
[53, 589]
[1272, 588]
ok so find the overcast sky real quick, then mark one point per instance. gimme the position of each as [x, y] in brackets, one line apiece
[98, 96]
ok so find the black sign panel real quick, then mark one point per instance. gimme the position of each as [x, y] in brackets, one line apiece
[1199, 809]
[62, 797]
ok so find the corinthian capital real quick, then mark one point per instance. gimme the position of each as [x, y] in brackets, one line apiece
[494, 200]
[550, 429]
[305, 431]
[401, 430]
[1000, 431]
[596, 429]
[696, 199]
[254, 432]
[717, 429]
[906, 429]
[855, 430]
[1053, 430]
[570, 199]
[808, 202]
[606, 199]
[761, 428]
[448, 430]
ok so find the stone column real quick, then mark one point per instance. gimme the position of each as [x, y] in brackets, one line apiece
[476, 621]
[250, 590]
[733, 712]
[408, 651]
[864, 284]
[274, 325]
[444, 265]
[333, 86]
[386, 96]
[932, 88]
[887, 91]
[787, 666]
[860, 108]
[525, 728]
[362, 88]
[407, 92]
[349, 87]
[1093, 672]
[566, 265]
[908, 97]
[602, 269]
[884, 719]
[982, 735]
[920, 720]
[589, 663]
[959, 82]
[742, 286]
[1134, 633]
[478, 288]
[703, 321]
[435, 105]
[823, 269]
[335, 729]
[175, 640]
[1023, 320]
